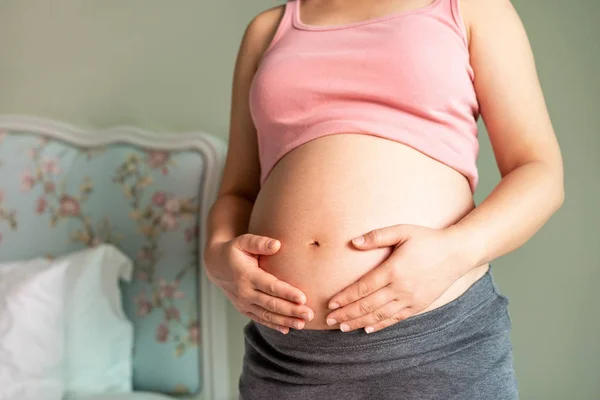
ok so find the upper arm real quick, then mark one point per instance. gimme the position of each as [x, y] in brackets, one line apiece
[241, 174]
[511, 101]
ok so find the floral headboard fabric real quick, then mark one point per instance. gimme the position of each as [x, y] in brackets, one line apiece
[62, 189]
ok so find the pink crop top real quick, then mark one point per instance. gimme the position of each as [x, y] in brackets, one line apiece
[404, 77]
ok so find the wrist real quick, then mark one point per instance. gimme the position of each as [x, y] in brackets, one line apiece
[212, 252]
[467, 246]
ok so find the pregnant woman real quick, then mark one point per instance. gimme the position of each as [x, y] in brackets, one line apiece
[345, 225]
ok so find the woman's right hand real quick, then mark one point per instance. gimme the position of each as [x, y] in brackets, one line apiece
[233, 266]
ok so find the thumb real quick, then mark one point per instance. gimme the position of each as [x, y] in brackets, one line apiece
[383, 237]
[255, 244]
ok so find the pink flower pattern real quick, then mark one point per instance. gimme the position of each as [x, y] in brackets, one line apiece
[5, 215]
[159, 198]
[162, 332]
[170, 290]
[157, 159]
[169, 222]
[51, 167]
[144, 306]
[69, 206]
[172, 313]
[41, 205]
[162, 214]
[27, 181]
[173, 206]
[194, 332]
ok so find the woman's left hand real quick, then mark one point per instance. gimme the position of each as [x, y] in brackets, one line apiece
[424, 263]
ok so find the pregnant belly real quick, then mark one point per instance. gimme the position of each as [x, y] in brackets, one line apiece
[334, 188]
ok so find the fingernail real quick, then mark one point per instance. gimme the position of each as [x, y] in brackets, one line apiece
[280, 329]
[307, 316]
[297, 325]
[331, 321]
[271, 244]
[358, 240]
[344, 327]
[333, 306]
[369, 329]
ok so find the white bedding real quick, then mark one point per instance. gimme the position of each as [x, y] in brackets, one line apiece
[124, 396]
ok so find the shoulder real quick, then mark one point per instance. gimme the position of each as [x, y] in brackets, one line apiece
[479, 8]
[261, 29]
[484, 14]
[267, 19]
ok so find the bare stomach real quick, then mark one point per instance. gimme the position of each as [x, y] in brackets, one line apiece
[324, 193]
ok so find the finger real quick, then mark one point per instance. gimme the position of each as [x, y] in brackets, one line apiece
[269, 284]
[276, 305]
[361, 307]
[255, 244]
[261, 321]
[401, 315]
[383, 237]
[372, 281]
[277, 319]
[379, 315]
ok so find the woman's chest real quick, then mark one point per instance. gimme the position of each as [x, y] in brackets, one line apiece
[385, 62]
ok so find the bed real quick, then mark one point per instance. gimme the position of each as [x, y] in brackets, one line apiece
[65, 188]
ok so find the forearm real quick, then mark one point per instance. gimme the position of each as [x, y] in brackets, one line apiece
[227, 219]
[515, 210]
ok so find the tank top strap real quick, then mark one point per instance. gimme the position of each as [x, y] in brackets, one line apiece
[285, 23]
[452, 9]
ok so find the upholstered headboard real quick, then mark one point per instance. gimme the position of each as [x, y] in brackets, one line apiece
[63, 188]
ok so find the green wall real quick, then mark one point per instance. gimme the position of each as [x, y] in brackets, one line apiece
[167, 66]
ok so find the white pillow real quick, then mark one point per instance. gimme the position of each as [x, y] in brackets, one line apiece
[32, 298]
[99, 335]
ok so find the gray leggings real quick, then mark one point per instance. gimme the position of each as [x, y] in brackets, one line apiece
[459, 351]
